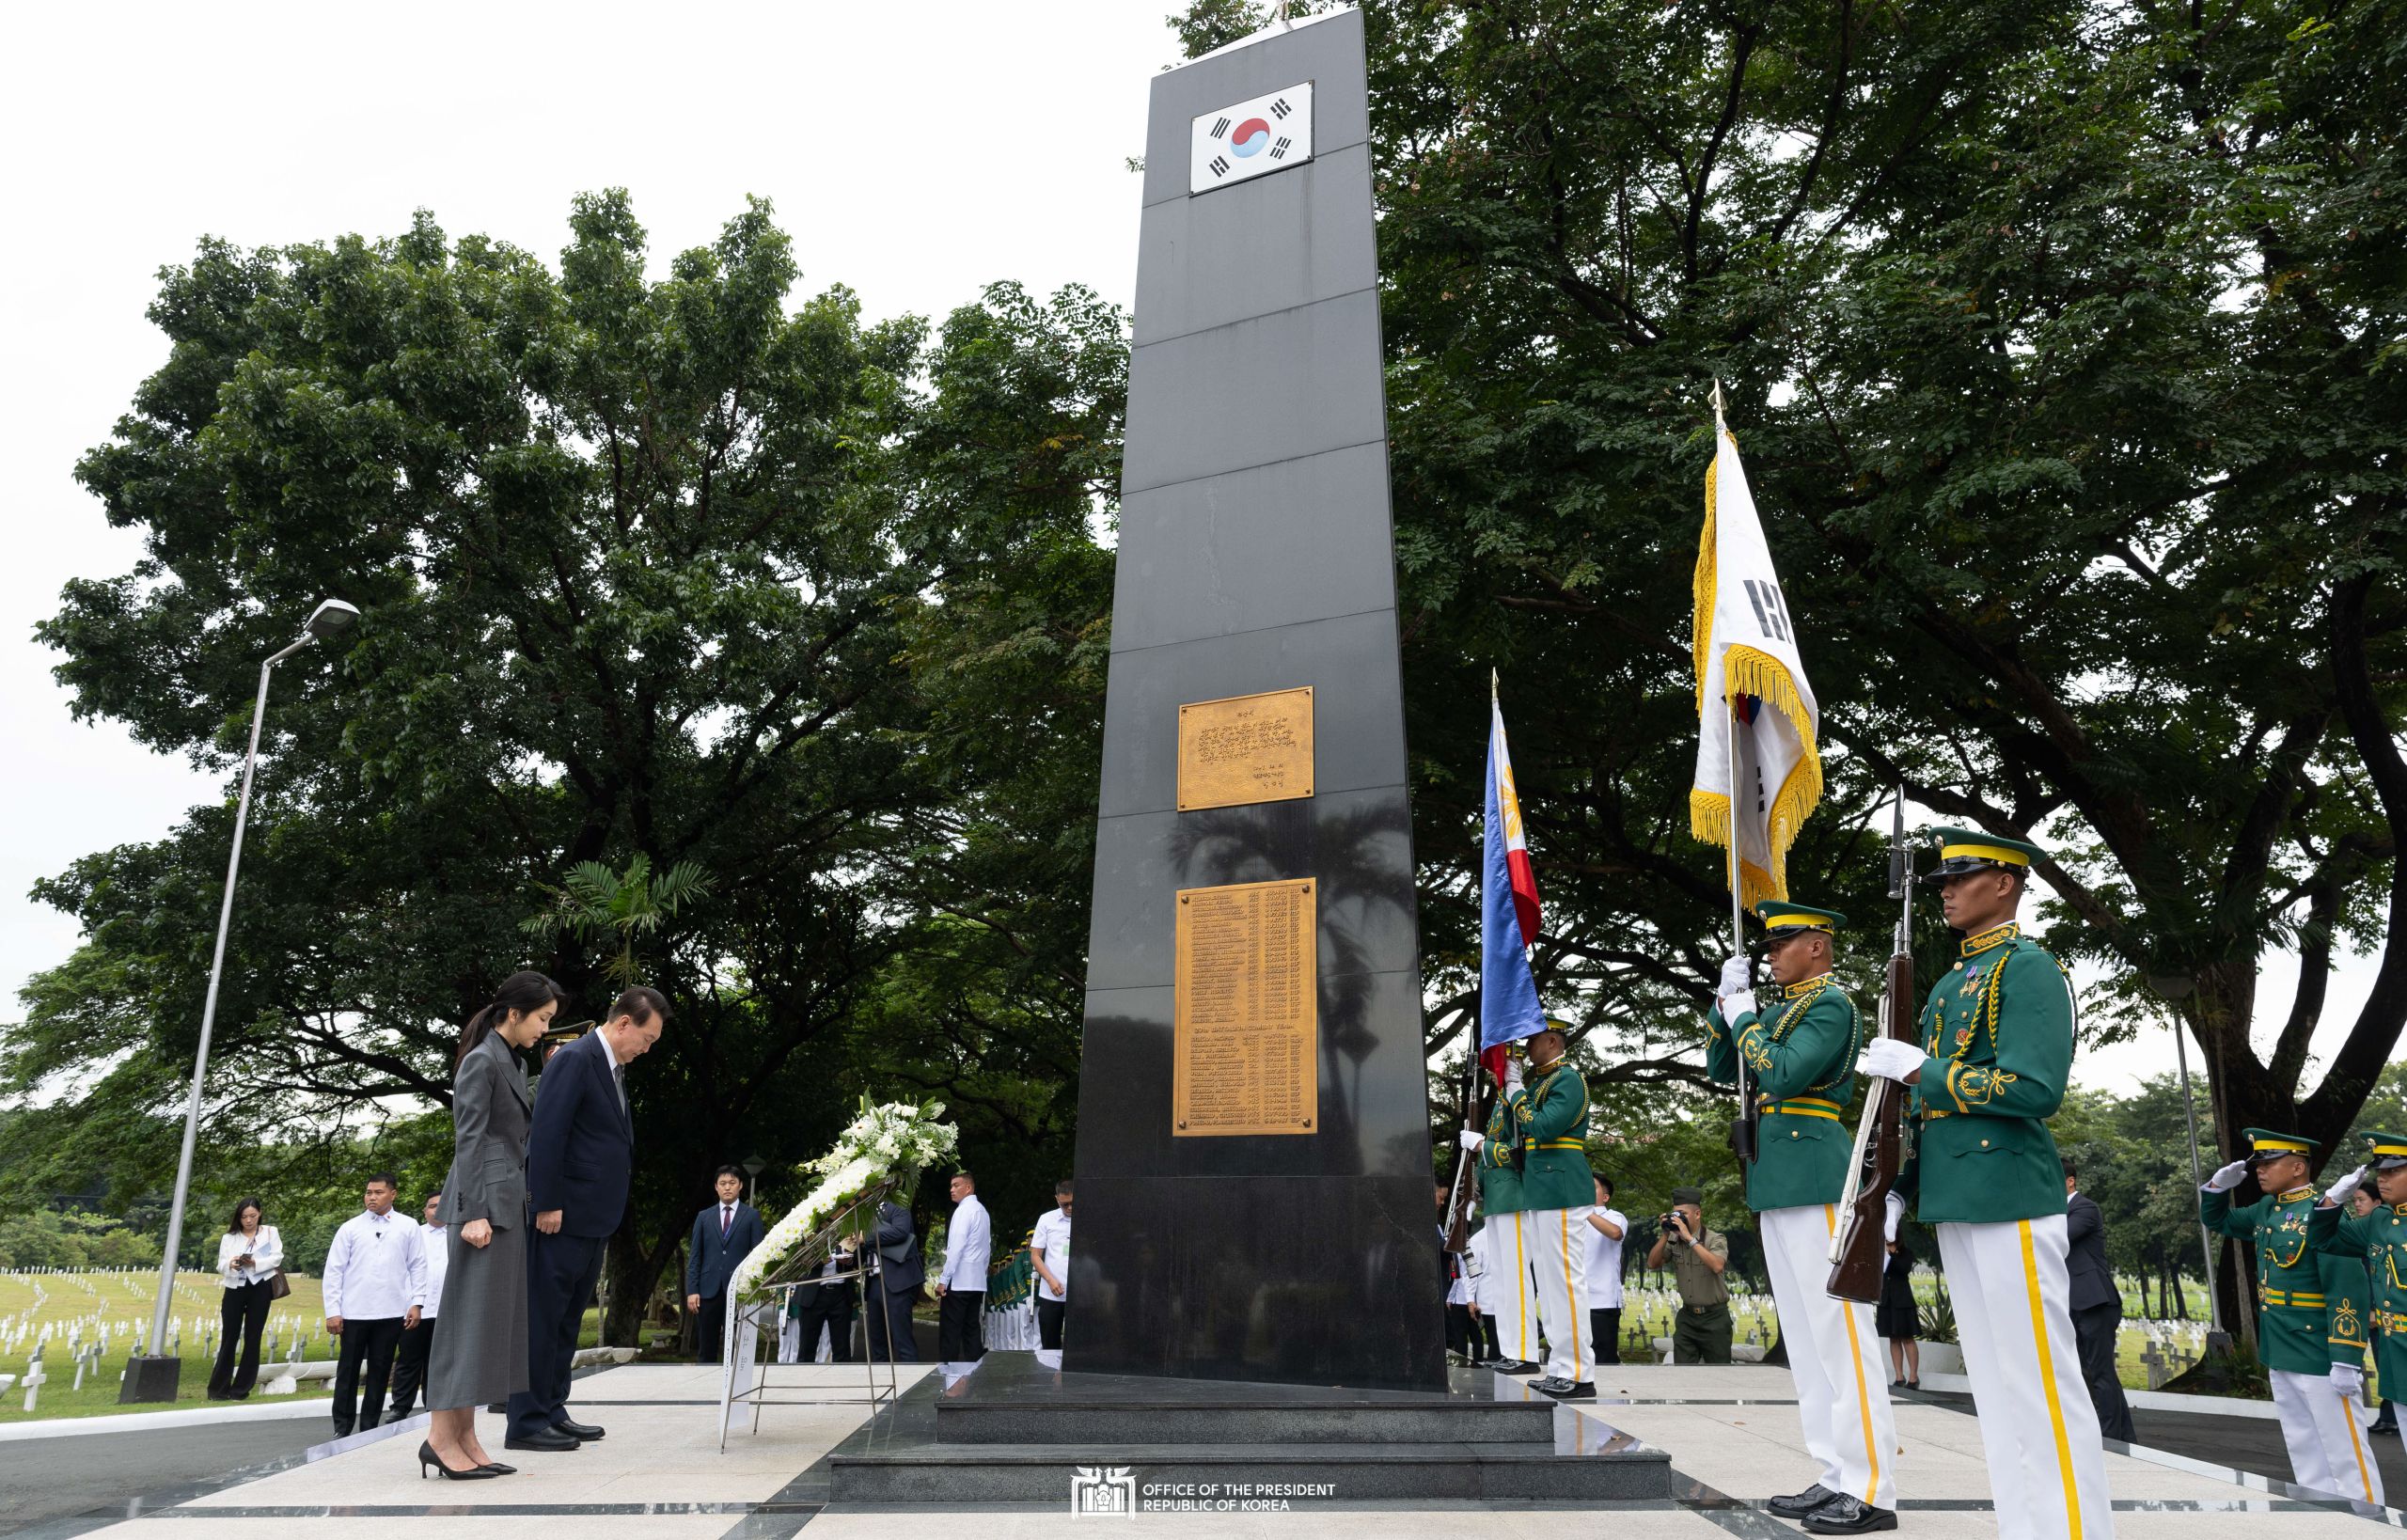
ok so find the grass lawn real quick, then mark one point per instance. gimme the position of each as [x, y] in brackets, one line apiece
[124, 1301]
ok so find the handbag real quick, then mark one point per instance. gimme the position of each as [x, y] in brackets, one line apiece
[277, 1287]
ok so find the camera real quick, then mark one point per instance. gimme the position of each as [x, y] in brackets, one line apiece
[1668, 1225]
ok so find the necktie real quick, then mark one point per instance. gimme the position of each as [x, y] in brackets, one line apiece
[725, 1220]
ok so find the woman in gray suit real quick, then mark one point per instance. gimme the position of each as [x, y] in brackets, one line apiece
[480, 1355]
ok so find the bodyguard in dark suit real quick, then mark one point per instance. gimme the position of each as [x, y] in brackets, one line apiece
[2097, 1309]
[579, 1157]
[902, 1272]
[724, 1235]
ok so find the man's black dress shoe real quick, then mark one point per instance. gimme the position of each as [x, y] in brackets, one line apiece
[1844, 1515]
[1564, 1389]
[1514, 1366]
[1798, 1504]
[582, 1432]
[546, 1438]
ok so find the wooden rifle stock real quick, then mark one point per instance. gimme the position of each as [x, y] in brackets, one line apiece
[1861, 1254]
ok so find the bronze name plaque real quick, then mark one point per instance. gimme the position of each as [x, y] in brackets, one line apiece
[1245, 1012]
[1245, 748]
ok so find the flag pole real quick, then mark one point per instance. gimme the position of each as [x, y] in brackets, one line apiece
[1742, 1132]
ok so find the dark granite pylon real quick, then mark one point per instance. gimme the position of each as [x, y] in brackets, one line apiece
[1256, 554]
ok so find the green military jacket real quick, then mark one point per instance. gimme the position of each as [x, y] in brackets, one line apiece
[1801, 1048]
[1500, 1162]
[1998, 1027]
[2380, 1240]
[2313, 1313]
[1552, 1113]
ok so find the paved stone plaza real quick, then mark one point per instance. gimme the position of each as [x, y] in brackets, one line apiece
[1731, 1435]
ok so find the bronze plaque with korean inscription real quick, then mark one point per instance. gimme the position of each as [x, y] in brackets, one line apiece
[1245, 1012]
[1245, 748]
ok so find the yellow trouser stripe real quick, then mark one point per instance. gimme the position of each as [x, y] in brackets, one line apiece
[1855, 1358]
[2048, 1382]
[1571, 1294]
[2357, 1447]
[1521, 1288]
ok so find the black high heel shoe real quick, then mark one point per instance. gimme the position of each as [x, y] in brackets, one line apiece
[427, 1456]
[500, 1469]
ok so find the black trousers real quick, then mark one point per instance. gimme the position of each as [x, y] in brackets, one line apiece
[961, 1326]
[1604, 1326]
[1495, 1342]
[835, 1315]
[366, 1344]
[1462, 1332]
[243, 1315]
[894, 1319]
[710, 1329]
[1049, 1321]
[2093, 1331]
[561, 1271]
[409, 1366]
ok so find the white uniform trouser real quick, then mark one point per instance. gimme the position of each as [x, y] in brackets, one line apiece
[2326, 1437]
[2038, 1430]
[1558, 1243]
[1505, 1292]
[1842, 1395]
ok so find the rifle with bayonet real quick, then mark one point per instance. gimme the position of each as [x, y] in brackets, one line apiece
[1465, 1171]
[1859, 1250]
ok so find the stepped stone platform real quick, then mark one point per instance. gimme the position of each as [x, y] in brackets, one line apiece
[1018, 1431]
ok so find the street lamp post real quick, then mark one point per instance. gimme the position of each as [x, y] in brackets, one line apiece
[152, 1377]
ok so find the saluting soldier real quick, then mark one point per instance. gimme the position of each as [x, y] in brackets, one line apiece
[2311, 1322]
[1801, 1045]
[2379, 1238]
[1996, 1049]
[1504, 1290]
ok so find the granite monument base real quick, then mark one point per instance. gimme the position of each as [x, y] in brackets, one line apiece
[1016, 1431]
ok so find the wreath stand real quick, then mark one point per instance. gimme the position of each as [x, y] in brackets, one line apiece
[751, 1379]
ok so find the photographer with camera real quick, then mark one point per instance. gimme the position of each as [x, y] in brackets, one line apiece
[1702, 1334]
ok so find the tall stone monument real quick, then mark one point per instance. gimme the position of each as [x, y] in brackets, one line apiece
[1253, 1163]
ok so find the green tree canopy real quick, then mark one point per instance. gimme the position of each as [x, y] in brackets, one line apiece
[649, 572]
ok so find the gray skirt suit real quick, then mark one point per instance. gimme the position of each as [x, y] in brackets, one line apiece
[480, 1354]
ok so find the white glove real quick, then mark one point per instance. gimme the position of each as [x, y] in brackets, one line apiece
[1512, 1074]
[1896, 1216]
[2228, 1177]
[2347, 1185]
[2349, 1381]
[1890, 1058]
[1738, 1003]
[1471, 1141]
[1736, 976]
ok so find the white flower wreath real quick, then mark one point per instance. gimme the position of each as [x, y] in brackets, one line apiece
[894, 1139]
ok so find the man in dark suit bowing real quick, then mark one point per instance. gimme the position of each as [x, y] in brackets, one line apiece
[2097, 1309]
[580, 1154]
[724, 1235]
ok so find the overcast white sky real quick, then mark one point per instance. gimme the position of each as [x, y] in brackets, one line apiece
[915, 152]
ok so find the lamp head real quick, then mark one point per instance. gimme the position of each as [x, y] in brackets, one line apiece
[331, 618]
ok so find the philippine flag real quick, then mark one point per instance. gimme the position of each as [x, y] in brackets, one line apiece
[1508, 921]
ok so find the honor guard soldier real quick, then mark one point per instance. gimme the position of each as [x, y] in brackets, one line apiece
[1505, 1292]
[1558, 1192]
[2380, 1240]
[2311, 1322]
[1800, 1043]
[1997, 1034]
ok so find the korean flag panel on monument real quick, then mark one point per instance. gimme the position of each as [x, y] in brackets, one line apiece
[1250, 139]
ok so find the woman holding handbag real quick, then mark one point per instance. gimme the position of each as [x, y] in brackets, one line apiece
[250, 1263]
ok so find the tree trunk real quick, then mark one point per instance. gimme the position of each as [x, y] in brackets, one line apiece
[2181, 1310]
[2144, 1306]
[631, 1276]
